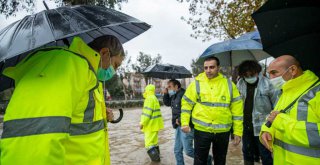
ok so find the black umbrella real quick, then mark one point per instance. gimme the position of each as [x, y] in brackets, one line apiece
[291, 27]
[167, 71]
[52, 26]
[57, 27]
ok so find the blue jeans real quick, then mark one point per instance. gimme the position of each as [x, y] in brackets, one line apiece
[183, 142]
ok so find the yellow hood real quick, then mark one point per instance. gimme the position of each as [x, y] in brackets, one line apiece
[149, 90]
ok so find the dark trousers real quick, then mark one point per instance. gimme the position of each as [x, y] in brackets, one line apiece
[202, 144]
[249, 143]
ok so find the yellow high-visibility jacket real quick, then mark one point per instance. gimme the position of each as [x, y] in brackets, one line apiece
[296, 136]
[151, 117]
[57, 113]
[215, 105]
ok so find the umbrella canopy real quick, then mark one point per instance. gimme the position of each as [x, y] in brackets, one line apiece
[50, 27]
[57, 27]
[233, 52]
[167, 71]
[254, 35]
[291, 27]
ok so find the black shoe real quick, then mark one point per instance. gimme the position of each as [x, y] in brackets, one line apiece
[158, 149]
[154, 154]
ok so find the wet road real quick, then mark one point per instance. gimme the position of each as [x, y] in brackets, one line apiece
[127, 142]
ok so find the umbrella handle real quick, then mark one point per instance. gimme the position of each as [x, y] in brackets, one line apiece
[119, 118]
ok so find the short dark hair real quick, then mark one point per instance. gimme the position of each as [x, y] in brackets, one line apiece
[110, 42]
[213, 58]
[249, 66]
[175, 82]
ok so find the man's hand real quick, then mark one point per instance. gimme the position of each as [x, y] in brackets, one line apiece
[186, 129]
[177, 122]
[267, 140]
[272, 116]
[165, 91]
[141, 126]
[110, 116]
[236, 140]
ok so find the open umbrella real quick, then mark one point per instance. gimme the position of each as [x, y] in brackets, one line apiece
[291, 27]
[167, 71]
[57, 27]
[254, 35]
[233, 52]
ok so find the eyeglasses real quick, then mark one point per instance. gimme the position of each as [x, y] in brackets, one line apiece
[207, 67]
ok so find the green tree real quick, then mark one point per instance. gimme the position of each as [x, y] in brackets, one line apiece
[224, 19]
[144, 61]
[10, 7]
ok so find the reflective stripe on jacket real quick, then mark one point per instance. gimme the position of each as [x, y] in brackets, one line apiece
[215, 105]
[296, 136]
[57, 113]
[151, 117]
[264, 100]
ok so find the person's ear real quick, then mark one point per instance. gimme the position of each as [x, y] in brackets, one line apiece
[294, 70]
[105, 53]
[105, 57]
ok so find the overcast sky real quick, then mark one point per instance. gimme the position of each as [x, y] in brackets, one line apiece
[168, 36]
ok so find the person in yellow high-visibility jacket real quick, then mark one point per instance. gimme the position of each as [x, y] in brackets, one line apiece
[294, 136]
[214, 104]
[57, 114]
[151, 122]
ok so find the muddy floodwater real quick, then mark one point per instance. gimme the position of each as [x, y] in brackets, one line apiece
[127, 142]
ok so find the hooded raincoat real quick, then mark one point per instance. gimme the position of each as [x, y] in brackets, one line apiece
[151, 118]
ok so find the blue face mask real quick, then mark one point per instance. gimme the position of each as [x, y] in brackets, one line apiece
[171, 92]
[106, 74]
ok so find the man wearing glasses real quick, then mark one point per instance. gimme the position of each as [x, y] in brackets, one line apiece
[214, 104]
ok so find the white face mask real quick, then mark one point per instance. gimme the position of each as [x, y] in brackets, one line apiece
[279, 81]
[251, 80]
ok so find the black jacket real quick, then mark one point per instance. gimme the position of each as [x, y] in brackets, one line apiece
[175, 103]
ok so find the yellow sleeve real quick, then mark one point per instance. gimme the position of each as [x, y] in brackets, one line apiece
[236, 108]
[187, 103]
[270, 130]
